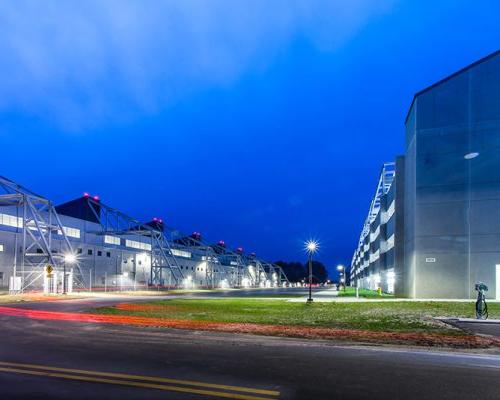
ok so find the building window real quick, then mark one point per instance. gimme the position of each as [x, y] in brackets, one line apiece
[108, 254]
[39, 251]
[111, 240]
[9, 220]
[1, 247]
[180, 253]
[89, 252]
[99, 253]
[80, 250]
[138, 245]
[71, 232]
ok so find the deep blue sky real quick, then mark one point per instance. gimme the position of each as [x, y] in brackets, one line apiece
[262, 123]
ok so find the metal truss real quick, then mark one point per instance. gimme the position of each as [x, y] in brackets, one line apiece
[117, 223]
[385, 181]
[37, 228]
[384, 184]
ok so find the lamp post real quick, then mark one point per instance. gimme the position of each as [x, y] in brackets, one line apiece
[70, 259]
[341, 269]
[311, 247]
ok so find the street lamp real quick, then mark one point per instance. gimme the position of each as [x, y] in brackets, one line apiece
[70, 259]
[311, 247]
[341, 269]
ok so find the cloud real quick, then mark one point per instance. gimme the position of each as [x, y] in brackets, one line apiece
[78, 63]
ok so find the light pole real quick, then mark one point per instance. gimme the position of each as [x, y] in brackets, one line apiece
[311, 247]
[341, 269]
[70, 259]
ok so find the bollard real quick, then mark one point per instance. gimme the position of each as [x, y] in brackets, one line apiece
[357, 292]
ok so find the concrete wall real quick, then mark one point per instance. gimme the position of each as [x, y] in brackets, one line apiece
[453, 203]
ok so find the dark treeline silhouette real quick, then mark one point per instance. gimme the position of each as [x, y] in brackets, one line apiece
[297, 271]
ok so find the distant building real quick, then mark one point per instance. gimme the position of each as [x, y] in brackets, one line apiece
[434, 228]
[110, 250]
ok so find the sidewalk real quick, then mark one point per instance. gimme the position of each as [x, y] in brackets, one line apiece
[325, 296]
[490, 327]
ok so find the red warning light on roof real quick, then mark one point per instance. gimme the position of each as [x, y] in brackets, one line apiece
[86, 195]
[222, 243]
[240, 250]
[96, 198]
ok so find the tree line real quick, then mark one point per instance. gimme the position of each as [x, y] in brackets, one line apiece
[297, 271]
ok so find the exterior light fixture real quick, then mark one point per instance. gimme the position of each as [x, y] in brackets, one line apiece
[341, 269]
[311, 247]
[470, 156]
[69, 258]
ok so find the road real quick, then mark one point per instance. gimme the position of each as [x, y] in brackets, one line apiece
[46, 359]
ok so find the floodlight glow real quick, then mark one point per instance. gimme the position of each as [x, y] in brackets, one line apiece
[70, 258]
[188, 282]
[340, 267]
[311, 246]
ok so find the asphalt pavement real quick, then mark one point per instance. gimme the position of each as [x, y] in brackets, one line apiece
[46, 359]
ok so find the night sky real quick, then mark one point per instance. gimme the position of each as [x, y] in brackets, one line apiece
[263, 123]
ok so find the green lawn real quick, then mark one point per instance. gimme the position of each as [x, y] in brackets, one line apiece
[351, 292]
[377, 316]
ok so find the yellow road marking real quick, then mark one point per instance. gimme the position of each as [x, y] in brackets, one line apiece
[46, 369]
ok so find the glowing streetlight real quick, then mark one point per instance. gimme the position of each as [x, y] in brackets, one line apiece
[311, 247]
[70, 259]
[341, 269]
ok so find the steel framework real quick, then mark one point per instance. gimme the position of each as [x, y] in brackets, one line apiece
[117, 223]
[384, 184]
[38, 224]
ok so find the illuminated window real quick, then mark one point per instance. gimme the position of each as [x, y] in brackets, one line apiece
[10, 220]
[138, 245]
[112, 240]
[71, 232]
[1, 247]
[181, 253]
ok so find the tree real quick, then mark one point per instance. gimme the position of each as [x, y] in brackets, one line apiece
[320, 274]
[294, 270]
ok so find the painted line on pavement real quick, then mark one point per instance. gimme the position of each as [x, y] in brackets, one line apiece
[135, 380]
